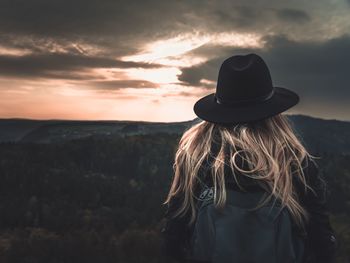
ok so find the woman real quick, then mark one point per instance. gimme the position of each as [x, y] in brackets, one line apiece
[244, 143]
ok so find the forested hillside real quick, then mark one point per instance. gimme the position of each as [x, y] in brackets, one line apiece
[99, 199]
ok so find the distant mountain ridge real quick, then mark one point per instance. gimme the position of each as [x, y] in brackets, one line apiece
[47, 131]
[318, 134]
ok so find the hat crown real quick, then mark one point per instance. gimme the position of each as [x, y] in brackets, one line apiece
[243, 78]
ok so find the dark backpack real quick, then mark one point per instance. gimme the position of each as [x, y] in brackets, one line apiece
[238, 234]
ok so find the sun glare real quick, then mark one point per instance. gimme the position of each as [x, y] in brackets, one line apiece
[7, 51]
[170, 51]
[166, 48]
[237, 40]
[174, 53]
[160, 75]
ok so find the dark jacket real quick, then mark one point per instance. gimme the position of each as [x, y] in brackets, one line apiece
[321, 242]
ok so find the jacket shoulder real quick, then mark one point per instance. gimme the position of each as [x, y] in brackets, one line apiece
[321, 241]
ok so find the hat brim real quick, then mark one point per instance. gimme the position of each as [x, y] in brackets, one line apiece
[208, 109]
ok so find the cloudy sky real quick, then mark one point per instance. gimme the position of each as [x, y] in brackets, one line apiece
[152, 60]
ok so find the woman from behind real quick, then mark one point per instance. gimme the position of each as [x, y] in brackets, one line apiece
[245, 144]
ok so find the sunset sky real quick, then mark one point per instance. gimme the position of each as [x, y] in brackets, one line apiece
[151, 60]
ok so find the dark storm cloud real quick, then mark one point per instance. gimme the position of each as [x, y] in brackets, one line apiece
[113, 28]
[318, 69]
[91, 17]
[191, 76]
[99, 22]
[293, 15]
[226, 15]
[119, 27]
[59, 65]
[315, 69]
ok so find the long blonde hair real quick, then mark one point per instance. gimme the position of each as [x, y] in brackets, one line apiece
[270, 147]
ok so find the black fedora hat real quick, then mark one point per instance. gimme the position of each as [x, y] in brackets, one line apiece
[244, 93]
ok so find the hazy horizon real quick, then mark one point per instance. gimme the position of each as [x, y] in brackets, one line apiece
[125, 120]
